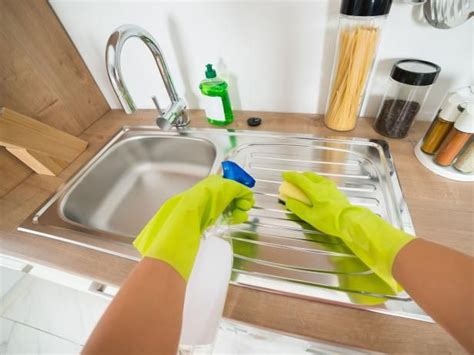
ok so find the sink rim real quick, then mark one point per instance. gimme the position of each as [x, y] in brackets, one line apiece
[86, 236]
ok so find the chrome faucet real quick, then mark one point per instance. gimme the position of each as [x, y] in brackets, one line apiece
[175, 114]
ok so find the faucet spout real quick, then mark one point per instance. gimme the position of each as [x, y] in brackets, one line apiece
[175, 114]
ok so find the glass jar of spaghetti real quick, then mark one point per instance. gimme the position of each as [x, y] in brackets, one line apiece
[409, 85]
[360, 27]
[459, 136]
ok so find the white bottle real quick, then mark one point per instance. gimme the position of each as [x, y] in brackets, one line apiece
[206, 292]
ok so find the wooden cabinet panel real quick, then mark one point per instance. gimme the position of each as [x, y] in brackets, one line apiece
[43, 76]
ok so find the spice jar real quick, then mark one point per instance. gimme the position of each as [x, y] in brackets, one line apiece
[442, 124]
[465, 162]
[409, 84]
[360, 26]
[457, 138]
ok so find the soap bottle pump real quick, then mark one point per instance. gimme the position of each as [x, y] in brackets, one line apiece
[216, 98]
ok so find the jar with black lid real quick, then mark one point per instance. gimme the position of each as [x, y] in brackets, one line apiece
[409, 84]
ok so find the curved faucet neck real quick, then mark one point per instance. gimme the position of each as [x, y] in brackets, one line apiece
[113, 54]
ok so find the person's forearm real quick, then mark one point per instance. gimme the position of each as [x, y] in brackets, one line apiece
[441, 281]
[146, 314]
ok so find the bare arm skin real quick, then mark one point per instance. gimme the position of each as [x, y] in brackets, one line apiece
[145, 316]
[441, 281]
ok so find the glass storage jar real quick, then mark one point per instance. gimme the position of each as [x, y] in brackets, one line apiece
[409, 84]
[360, 26]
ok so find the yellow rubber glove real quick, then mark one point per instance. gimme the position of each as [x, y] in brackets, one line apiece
[371, 238]
[174, 233]
[357, 284]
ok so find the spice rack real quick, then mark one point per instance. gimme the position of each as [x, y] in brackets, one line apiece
[447, 172]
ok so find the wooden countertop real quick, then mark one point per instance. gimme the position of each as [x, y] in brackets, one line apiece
[442, 211]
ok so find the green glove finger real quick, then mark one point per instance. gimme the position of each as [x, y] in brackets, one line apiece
[244, 204]
[314, 177]
[302, 182]
[298, 208]
[221, 193]
[324, 189]
[244, 194]
[238, 216]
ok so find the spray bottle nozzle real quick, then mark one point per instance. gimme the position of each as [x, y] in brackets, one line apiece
[233, 171]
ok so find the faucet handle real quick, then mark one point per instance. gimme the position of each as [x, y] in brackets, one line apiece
[157, 105]
[161, 122]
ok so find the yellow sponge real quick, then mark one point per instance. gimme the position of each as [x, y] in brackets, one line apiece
[287, 189]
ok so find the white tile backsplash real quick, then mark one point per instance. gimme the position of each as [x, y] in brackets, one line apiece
[276, 55]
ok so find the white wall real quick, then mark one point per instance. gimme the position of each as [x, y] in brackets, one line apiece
[276, 55]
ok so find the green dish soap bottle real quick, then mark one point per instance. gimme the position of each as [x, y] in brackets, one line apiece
[216, 98]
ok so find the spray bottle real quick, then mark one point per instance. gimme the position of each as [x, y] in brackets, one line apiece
[207, 286]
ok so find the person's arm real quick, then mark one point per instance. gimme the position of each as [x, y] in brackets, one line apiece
[145, 316]
[441, 281]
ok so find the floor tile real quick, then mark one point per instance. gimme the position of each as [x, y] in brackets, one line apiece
[59, 310]
[17, 338]
[8, 279]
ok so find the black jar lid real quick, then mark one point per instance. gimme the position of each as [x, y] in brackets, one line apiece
[365, 7]
[415, 72]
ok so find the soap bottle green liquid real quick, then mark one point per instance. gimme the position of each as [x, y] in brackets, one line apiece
[216, 98]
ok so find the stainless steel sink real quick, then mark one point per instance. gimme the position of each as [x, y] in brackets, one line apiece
[132, 179]
[106, 204]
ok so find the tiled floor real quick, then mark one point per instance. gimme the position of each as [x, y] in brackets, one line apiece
[8, 279]
[16, 338]
[236, 339]
[42, 317]
[59, 310]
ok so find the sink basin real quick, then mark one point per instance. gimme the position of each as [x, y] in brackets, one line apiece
[128, 184]
[110, 199]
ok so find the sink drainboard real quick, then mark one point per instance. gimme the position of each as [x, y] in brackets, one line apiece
[275, 250]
